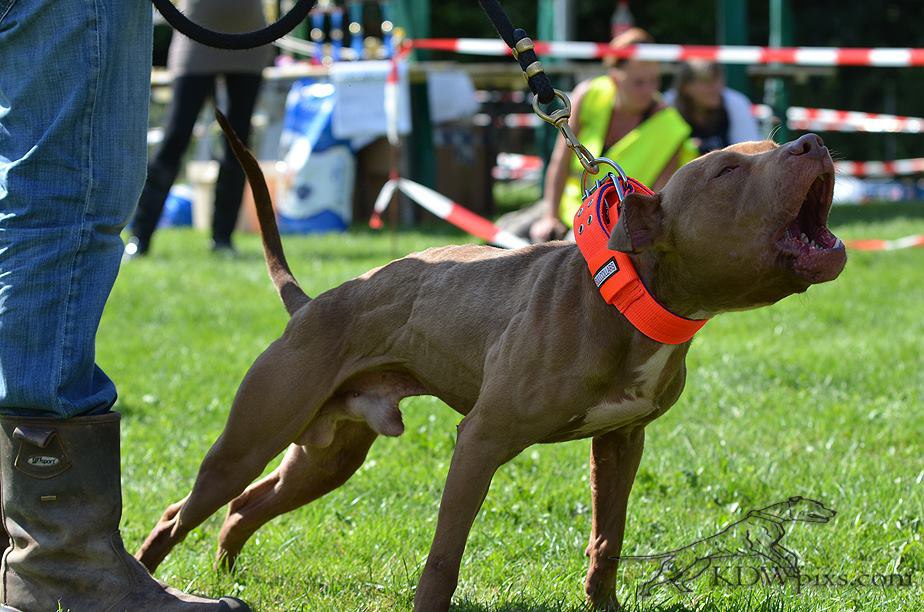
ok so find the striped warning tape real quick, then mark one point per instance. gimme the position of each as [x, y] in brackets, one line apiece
[898, 167]
[797, 118]
[831, 120]
[445, 209]
[826, 119]
[478, 226]
[724, 54]
[907, 242]
[514, 166]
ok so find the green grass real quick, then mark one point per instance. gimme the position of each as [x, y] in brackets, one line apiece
[820, 395]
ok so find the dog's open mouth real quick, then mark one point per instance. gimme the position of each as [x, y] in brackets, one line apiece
[814, 253]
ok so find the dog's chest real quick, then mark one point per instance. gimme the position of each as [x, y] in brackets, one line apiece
[636, 401]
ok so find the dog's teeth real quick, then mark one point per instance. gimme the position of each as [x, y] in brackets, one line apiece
[804, 238]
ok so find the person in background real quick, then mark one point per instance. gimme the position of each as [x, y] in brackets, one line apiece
[195, 69]
[719, 116]
[75, 79]
[619, 116]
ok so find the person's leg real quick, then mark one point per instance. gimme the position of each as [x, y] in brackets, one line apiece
[73, 115]
[189, 94]
[242, 98]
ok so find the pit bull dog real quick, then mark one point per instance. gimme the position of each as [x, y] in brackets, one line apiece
[520, 343]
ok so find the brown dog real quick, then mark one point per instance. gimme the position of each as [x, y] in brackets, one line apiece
[518, 342]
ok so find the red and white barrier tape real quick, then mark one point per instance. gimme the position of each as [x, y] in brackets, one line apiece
[391, 103]
[445, 209]
[897, 167]
[478, 226]
[516, 167]
[797, 118]
[511, 166]
[801, 56]
[907, 242]
[830, 120]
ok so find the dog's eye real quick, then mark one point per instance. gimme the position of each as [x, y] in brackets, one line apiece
[725, 170]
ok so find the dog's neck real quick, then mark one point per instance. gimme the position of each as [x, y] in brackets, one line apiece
[654, 272]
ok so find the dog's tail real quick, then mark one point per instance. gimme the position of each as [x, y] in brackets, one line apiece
[289, 290]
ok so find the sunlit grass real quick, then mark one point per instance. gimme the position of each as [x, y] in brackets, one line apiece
[820, 395]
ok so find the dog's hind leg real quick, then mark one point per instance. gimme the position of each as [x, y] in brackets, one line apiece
[273, 405]
[306, 473]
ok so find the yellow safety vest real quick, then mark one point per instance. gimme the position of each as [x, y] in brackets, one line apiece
[643, 153]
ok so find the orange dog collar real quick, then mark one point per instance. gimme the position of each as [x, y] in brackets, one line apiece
[613, 272]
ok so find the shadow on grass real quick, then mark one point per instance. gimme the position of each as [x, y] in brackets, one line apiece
[524, 605]
[876, 212]
[515, 605]
[750, 603]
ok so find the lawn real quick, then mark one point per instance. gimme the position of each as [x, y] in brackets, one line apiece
[819, 396]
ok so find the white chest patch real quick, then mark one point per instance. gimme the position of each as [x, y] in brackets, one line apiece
[640, 400]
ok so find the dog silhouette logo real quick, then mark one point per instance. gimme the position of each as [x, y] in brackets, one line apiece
[758, 535]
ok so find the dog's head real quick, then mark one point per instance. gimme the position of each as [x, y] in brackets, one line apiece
[741, 227]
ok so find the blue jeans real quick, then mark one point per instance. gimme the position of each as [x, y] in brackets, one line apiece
[74, 88]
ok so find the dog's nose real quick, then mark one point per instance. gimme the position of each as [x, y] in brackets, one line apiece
[809, 144]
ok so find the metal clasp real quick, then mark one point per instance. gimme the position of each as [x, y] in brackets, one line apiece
[559, 118]
[619, 179]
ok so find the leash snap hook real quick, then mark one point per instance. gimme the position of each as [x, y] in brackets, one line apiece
[559, 118]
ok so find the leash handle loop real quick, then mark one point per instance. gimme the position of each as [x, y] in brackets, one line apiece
[224, 40]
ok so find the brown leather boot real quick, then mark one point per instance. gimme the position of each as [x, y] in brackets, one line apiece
[62, 502]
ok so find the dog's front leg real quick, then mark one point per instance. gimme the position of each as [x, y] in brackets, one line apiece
[614, 460]
[481, 448]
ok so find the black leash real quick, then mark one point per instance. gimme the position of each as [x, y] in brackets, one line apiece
[523, 51]
[539, 83]
[243, 40]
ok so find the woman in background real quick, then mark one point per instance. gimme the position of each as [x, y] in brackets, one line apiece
[719, 116]
[620, 116]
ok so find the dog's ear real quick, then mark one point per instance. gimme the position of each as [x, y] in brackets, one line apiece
[640, 224]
